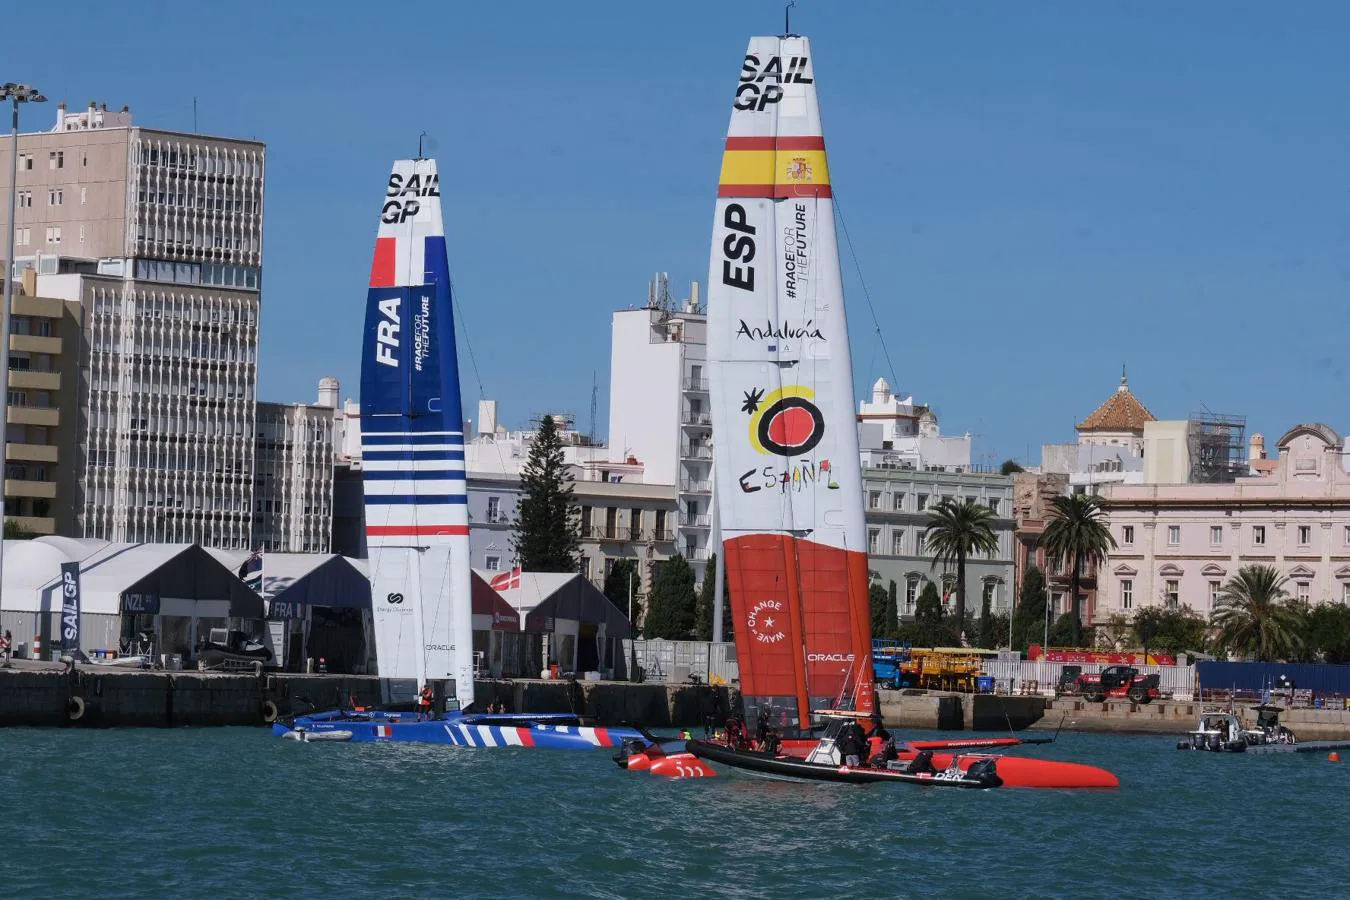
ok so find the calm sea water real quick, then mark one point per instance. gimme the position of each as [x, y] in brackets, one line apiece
[237, 813]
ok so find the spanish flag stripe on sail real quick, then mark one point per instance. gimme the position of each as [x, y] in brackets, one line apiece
[777, 167]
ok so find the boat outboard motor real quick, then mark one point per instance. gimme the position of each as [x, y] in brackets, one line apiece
[985, 772]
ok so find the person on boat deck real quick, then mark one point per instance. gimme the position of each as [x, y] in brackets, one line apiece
[887, 752]
[424, 702]
[852, 743]
[356, 707]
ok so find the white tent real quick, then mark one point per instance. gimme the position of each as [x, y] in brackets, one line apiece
[181, 584]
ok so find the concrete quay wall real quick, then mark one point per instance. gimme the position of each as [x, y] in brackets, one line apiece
[36, 694]
[1177, 718]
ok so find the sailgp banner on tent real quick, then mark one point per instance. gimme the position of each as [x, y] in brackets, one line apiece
[70, 606]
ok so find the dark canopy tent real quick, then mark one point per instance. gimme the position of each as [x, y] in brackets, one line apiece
[579, 600]
[487, 602]
[192, 572]
[334, 582]
[601, 627]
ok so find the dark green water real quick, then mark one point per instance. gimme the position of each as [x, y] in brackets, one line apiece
[229, 813]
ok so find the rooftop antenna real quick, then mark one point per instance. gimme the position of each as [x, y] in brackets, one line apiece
[194, 115]
[787, 18]
[595, 395]
[420, 138]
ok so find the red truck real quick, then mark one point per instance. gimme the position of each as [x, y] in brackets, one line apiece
[1117, 681]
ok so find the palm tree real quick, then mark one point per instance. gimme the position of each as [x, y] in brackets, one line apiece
[1075, 536]
[955, 530]
[1253, 614]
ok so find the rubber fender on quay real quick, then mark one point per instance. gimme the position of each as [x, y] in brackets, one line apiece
[75, 708]
[269, 711]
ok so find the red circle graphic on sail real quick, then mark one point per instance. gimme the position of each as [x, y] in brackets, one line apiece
[790, 426]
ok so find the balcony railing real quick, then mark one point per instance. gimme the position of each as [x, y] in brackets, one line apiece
[497, 517]
[663, 535]
[690, 486]
[697, 418]
[695, 452]
[703, 521]
[696, 385]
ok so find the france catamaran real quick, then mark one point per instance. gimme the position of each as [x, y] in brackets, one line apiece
[787, 467]
[417, 525]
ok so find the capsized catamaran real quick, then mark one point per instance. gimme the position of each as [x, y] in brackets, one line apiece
[786, 462]
[417, 525]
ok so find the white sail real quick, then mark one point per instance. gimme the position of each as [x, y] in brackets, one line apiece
[412, 443]
[788, 477]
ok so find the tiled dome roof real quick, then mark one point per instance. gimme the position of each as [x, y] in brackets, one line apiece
[1122, 411]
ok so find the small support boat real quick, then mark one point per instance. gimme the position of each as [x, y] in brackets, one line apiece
[908, 764]
[1223, 731]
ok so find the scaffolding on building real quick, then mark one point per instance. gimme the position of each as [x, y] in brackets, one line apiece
[1218, 447]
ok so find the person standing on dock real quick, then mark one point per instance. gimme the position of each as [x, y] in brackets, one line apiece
[6, 646]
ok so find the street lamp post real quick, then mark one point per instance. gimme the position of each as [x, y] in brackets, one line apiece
[16, 94]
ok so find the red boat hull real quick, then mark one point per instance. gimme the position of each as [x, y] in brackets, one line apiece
[1015, 771]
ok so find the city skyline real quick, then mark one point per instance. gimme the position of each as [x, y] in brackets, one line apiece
[1083, 187]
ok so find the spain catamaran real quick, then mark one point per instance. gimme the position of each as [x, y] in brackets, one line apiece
[417, 526]
[787, 467]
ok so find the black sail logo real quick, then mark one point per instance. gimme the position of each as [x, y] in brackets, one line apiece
[782, 331]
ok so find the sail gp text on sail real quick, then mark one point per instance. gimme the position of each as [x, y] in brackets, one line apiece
[796, 266]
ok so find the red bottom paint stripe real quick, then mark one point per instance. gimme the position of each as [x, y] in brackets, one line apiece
[415, 530]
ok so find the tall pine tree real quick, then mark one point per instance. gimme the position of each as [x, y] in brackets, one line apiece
[547, 526]
[892, 627]
[670, 612]
[621, 575]
[707, 600]
[1028, 624]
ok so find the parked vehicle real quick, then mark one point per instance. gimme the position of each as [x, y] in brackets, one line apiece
[1117, 681]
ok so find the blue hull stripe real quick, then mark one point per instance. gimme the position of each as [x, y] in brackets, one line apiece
[419, 475]
[411, 455]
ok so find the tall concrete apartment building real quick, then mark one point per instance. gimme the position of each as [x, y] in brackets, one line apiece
[44, 366]
[293, 473]
[158, 235]
[659, 409]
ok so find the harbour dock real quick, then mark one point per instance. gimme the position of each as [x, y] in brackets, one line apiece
[49, 694]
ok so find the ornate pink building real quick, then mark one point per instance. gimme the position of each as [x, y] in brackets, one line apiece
[1178, 543]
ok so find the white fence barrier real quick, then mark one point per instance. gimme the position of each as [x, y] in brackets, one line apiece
[675, 661]
[1017, 677]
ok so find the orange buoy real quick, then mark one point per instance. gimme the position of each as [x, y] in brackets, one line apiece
[1334, 756]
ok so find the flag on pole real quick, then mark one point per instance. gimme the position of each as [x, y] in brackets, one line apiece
[252, 569]
[506, 581]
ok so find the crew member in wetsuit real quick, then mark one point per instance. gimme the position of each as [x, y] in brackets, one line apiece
[424, 702]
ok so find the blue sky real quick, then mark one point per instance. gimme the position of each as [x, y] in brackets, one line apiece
[1036, 192]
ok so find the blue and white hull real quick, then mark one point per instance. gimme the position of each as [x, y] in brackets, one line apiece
[559, 732]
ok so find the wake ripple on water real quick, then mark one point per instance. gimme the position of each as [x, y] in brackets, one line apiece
[236, 813]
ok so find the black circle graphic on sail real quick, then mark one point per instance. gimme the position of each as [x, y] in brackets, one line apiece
[790, 426]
